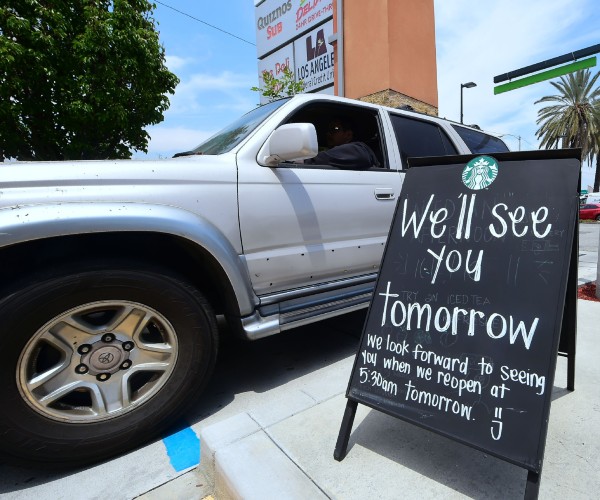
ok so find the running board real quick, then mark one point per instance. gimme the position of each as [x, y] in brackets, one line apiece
[288, 314]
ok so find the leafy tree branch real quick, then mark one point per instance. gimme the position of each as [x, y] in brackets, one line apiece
[80, 79]
[275, 88]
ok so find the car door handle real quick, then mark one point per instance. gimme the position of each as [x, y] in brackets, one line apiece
[385, 194]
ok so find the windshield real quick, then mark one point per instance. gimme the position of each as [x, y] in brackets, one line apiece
[235, 132]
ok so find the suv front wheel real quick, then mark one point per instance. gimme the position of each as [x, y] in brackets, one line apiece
[97, 361]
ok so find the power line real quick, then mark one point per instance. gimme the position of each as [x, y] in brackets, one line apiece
[204, 22]
[519, 137]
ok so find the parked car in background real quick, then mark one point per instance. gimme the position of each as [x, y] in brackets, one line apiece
[112, 272]
[590, 211]
[592, 198]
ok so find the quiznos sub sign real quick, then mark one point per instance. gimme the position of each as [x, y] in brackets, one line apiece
[278, 22]
[309, 57]
[462, 333]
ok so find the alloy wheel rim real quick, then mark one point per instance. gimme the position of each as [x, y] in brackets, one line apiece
[97, 361]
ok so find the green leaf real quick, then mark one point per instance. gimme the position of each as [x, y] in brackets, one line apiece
[274, 88]
[80, 80]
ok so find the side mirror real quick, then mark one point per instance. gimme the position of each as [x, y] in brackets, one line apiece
[294, 141]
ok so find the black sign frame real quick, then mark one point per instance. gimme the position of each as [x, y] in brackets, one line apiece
[564, 324]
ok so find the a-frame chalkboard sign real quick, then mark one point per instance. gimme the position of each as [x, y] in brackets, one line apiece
[463, 329]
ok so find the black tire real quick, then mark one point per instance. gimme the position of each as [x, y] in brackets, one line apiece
[162, 369]
[598, 217]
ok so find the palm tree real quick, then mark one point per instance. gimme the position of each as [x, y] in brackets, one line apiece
[574, 121]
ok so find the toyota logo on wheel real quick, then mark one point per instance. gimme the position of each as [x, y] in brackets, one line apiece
[106, 358]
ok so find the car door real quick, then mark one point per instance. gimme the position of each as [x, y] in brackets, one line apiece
[304, 225]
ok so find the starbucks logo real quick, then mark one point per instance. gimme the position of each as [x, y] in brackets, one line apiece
[480, 172]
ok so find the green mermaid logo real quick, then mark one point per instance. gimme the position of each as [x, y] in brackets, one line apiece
[480, 172]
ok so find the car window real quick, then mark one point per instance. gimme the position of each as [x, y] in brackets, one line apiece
[366, 129]
[478, 142]
[420, 138]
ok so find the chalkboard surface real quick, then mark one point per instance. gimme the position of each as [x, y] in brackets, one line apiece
[462, 333]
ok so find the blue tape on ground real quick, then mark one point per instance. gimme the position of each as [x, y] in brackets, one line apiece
[183, 449]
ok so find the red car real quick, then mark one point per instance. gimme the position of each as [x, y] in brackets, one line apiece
[590, 211]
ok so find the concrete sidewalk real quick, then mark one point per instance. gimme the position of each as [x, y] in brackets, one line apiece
[588, 252]
[286, 450]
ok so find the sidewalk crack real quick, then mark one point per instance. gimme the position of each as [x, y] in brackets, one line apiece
[296, 464]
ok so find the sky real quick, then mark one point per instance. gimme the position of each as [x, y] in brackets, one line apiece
[475, 41]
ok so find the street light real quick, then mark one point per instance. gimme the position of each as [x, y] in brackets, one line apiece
[467, 85]
[513, 135]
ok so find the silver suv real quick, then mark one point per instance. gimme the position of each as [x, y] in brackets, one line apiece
[113, 272]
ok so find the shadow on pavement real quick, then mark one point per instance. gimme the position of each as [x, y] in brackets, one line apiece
[459, 467]
[264, 364]
[464, 469]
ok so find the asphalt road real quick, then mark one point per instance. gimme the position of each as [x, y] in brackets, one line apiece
[588, 236]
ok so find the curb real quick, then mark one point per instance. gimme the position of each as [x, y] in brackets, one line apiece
[241, 461]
